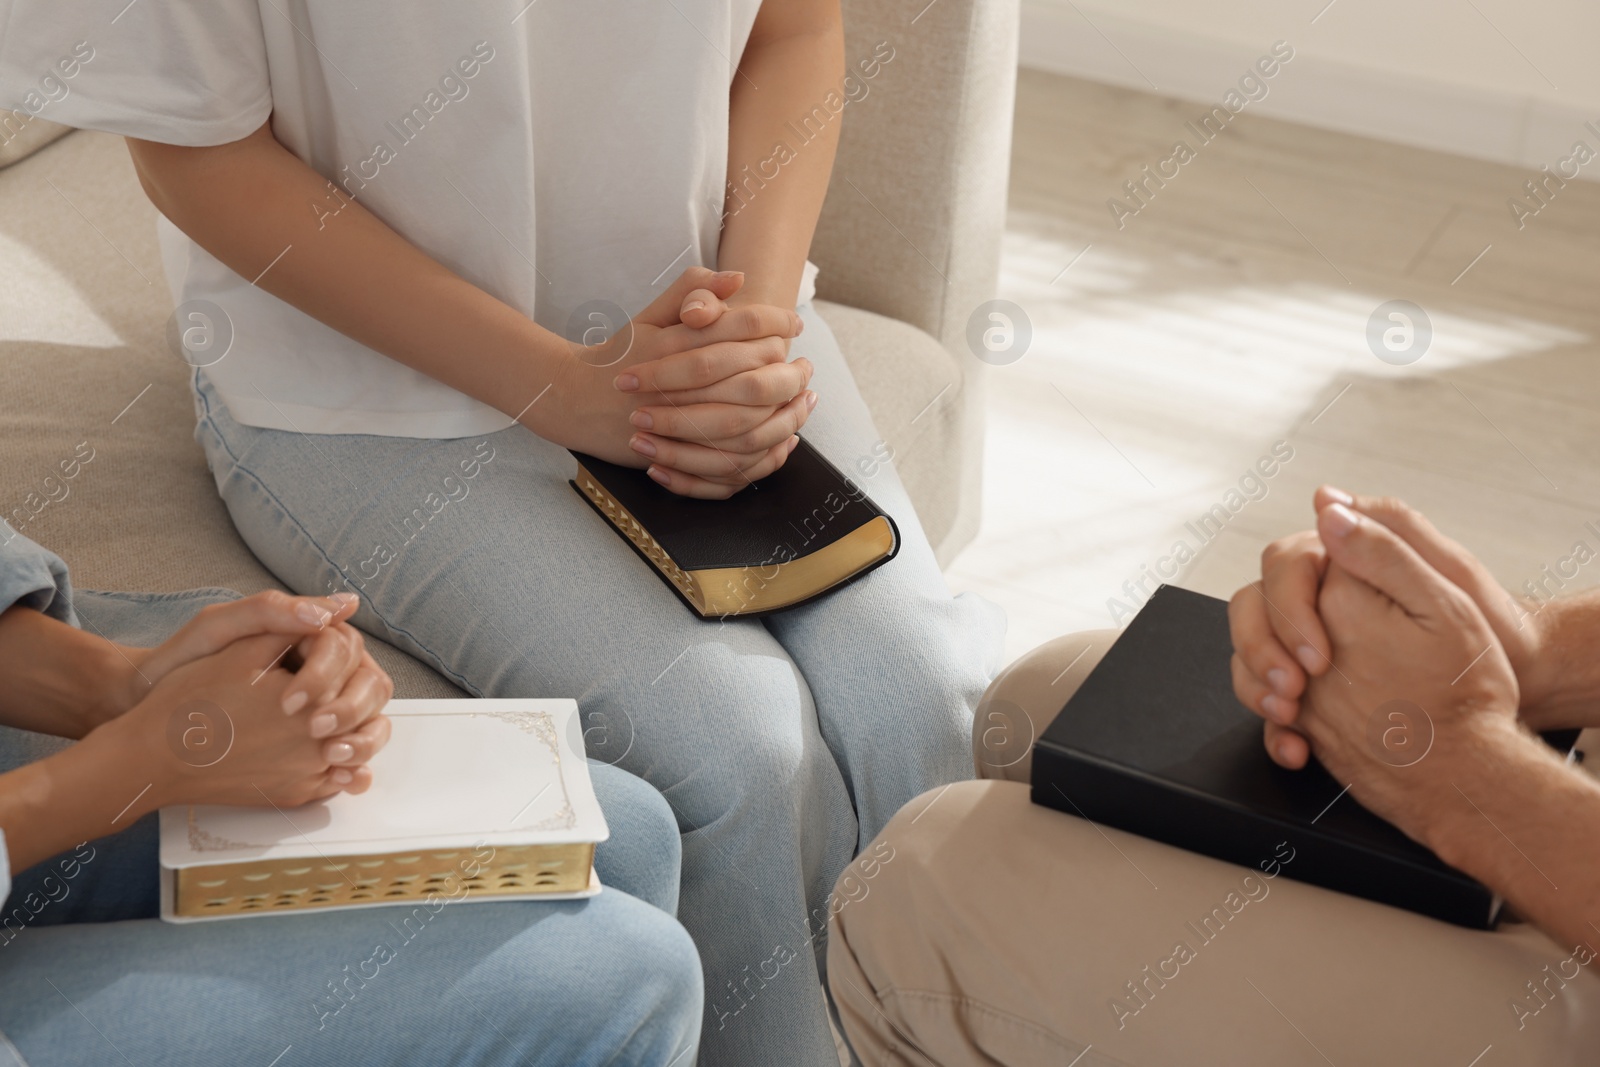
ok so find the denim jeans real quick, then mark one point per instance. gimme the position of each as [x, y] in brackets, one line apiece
[92, 977]
[782, 743]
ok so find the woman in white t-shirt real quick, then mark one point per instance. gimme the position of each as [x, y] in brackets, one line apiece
[383, 223]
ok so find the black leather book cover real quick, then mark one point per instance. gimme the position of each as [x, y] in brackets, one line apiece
[1154, 742]
[806, 519]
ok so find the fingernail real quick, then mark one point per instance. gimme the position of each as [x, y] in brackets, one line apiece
[1339, 495]
[339, 752]
[799, 326]
[811, 400]
[1276, 708]
[660, 475]
[627, 383]
[694, 305]
[641, 445]
[310, 614]
[324, 724]
[1282, 750]
[1341, 520]
[341, 776]
[643, 420]
[1308, 657]
[295, 701]
[794, 443]
[730, 274]
[1278, 678]
[346, 598]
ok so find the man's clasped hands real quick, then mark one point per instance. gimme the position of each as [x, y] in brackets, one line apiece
[1389, 651]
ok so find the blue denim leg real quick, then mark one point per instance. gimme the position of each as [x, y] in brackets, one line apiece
[780, 743]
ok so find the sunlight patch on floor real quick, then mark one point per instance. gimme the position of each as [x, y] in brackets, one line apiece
[1153, 384]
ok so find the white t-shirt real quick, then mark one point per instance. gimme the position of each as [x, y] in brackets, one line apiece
[552, 153]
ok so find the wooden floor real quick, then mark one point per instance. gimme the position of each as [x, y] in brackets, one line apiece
[1231, 313]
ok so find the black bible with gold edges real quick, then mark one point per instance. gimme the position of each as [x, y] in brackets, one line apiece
[788, 538]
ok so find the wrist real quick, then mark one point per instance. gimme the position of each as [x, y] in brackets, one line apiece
[1479, 761]
[135, 763]
[763, 291]
[115, 684]
[1554, 690]
[556, 387]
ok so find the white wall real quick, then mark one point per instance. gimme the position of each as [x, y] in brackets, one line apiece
[1508, 80]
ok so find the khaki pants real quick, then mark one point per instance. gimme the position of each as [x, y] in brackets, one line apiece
[982, 929]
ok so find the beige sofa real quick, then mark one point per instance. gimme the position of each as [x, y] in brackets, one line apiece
[908, 246]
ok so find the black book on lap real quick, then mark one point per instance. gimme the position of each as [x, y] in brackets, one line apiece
[794, 535]
[1154, 742]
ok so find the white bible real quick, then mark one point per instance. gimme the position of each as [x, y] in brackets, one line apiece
[471, 800]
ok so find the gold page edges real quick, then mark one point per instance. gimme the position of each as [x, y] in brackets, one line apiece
[630, 527]
[735, 590]
[723, 591]
[392, 878]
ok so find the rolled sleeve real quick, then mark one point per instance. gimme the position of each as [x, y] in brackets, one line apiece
[34, 577]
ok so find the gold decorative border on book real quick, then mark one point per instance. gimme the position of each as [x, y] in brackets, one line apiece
[396, 878]
[624, 521]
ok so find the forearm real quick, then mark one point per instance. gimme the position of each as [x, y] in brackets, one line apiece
[84, 792]
[1511, 814]
[253, 205]
[1565, 689]
[791, 69]
[59, 680]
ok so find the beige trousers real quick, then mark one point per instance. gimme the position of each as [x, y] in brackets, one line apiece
[982, 929]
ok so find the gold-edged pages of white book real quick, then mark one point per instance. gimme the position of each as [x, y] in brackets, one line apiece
[471, 800]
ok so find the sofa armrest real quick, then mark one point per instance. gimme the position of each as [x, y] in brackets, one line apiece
[915, 212]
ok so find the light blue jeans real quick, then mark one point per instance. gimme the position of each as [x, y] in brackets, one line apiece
[783, 744]
[92, 978]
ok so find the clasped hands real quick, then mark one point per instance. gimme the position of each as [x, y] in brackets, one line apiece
[1388, 651]
[269, 699]
[700, 391]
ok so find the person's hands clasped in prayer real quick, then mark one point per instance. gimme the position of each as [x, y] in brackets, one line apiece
[1418, 682]
[697, 389]
[282, 685]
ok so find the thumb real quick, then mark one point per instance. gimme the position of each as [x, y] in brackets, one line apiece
[1445, 555]
[1370, 551]
[664, 310]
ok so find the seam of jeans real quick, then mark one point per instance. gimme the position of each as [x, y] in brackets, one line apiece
[240, 469]
[156, 598]
[973, 1005]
